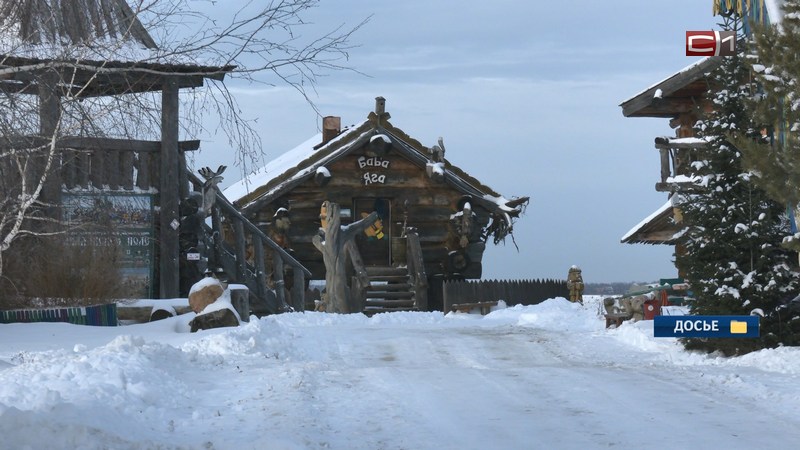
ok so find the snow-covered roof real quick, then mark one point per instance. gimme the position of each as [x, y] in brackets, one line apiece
[759, 11]
[76, 29]
[669, 85]
[302, 162]
[660, 222]
[655, 86]
[256, 182]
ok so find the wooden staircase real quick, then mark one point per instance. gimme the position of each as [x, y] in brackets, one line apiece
[232, 259]
[390, 289]
[378, 289]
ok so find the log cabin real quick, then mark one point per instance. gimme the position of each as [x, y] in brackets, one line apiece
[413, 191]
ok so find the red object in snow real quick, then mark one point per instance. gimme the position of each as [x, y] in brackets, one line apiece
[652, 307]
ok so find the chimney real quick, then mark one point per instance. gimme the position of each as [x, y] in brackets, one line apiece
[331, 127]
[380, 106]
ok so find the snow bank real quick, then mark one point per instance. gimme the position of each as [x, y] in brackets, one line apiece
[557, 314]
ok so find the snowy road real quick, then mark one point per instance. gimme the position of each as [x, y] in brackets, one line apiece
[547, 376]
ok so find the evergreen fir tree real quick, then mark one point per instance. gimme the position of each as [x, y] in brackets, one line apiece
[733, 230]
[775, 64]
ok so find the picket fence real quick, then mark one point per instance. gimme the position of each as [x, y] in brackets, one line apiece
[513, 292]
[97, 315]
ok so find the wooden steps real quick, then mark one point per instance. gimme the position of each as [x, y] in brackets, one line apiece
[389, 290]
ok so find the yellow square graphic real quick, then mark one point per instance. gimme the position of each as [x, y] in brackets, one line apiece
[738, 327]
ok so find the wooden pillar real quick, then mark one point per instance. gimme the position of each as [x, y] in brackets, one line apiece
[49, 115]
[184, 175]
[169, 191]
[259, 263]
[241, 251]
[277, 277]
[299, 290]
[215, 253]
[666, 170]
[126, 170]
[143, 179]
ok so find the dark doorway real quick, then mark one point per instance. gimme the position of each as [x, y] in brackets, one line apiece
[375, 242]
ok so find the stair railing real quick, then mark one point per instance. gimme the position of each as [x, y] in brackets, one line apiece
[416, 269]
[234, 261]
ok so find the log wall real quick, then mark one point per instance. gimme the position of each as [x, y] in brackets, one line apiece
[426, 204]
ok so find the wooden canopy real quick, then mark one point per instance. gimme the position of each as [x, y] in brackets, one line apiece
[92, 47]
[73, 22]
[100, 78]
[658, 228]
[677, 94]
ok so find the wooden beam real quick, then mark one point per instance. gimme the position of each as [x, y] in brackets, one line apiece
[691, 143]
[123, 85]
[18, 87]
[92, 143]
[673, 186]
[168, 192]
[85, 82]
[662, 236]
[668, 107]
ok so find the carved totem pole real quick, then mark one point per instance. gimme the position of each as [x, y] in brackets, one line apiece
[336, 242]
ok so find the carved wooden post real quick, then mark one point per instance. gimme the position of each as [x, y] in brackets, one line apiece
[332, 247]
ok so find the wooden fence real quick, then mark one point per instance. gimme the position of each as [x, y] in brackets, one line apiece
[513, 292]
[98, 315]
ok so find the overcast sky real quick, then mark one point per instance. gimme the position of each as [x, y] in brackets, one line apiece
[525, 95]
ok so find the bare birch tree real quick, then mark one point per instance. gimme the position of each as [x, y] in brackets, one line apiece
[46, 44]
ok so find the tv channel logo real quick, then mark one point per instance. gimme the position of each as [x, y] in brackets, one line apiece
[710, 43]
[706, 326]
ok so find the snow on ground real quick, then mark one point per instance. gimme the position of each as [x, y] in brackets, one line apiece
[544, 376]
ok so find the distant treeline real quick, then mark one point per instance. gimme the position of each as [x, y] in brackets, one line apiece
[617, 288]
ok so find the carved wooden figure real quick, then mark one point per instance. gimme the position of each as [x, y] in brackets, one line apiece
[575, 284]
[331, 243]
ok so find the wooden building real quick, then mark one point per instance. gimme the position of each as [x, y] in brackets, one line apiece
[679, 98]
[374, 166]
[136, 185]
